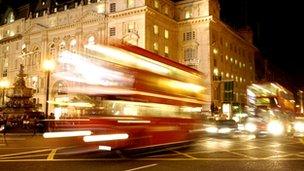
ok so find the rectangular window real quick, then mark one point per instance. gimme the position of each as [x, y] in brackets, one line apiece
[155, 46]
[131, 27]
[112, 31]
[166, 34]
[166, 10]
[189, 36]
[155, 29]
[187, 14]
[130, 3]
[113, 7]
[166, 51]
[156, 4]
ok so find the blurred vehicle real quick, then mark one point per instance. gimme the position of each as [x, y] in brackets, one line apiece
[126, 97]
[270, 108]
[298, 126]
[222, 127]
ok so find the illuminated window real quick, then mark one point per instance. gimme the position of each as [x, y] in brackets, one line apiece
[166, 10]
[112, 31]
[187, 14]
[55, 9]
[156, 4]
[232, 76]
[166, 50]
[236, 79]
[240, 64]
[222, 74]
[91, 40]
[215, 51]
[112, 7]
[166, 34]
[231, 60]
[241, 79]
[227, 57]
[131, 27]
[155, 28]
[37, 14]
[10, 17]
[215, 72]
[101, 8]
[43, 3]
[189, 54]
[155, 46]
[244, 65]
[65, 7]
[250, 67]
[236, 62]
[227, 75]
[73, 44]
[131, 3]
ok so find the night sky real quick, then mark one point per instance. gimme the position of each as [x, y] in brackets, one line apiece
[278, 34]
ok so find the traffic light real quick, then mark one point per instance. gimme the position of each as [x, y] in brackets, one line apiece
[228, 91]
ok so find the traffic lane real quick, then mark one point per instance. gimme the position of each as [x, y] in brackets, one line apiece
[157, 165]
[206, 148]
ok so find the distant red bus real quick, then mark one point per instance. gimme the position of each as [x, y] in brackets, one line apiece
[126, 97]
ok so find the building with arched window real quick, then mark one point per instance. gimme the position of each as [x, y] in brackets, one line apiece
[186, 31]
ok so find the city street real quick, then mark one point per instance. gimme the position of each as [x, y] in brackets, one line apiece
[212, 153]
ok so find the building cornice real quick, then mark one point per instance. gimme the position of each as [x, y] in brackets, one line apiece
[11, 39]
[196, 20]
[128, 12]
[151, 11]
[217, 21]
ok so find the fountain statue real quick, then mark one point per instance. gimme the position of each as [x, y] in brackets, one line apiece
[20, 98]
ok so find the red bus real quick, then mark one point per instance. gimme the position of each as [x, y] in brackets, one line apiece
[125, 97]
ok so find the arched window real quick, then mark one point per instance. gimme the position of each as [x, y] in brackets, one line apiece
[52, 50]
[36, 58]
[190, 56]
[91, 40]
[10, 17]
[62, 46]
[73, 44]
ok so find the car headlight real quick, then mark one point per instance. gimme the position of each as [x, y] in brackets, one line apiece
[250, 127]
[224, 130]
[275, 127]
[299, 126]
[211, 129]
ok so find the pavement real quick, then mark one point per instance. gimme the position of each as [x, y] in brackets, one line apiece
[244, 152]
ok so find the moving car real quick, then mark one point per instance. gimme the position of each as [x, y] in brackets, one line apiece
[222, 127]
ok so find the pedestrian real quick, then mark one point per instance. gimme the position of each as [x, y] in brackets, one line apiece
[51, 122]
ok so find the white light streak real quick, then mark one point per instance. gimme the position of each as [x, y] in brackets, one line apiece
[105, 137]
[66, 134]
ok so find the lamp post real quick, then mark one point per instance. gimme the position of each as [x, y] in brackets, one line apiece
[4, 84]
[48, 66]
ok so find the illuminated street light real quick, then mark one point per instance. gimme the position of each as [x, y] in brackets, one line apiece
[4, 84]
[48, 67]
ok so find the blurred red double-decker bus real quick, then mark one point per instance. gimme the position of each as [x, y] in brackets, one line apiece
[125, 97]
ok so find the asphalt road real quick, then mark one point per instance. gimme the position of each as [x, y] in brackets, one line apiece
[242, 152]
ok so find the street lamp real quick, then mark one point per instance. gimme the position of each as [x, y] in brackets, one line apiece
[48, 67]
[4, 84]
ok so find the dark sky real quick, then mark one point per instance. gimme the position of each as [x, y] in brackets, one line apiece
[276, 25]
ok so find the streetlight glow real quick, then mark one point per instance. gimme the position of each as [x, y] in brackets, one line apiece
[48, 65]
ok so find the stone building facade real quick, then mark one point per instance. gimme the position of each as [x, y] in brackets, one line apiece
[187, 31]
